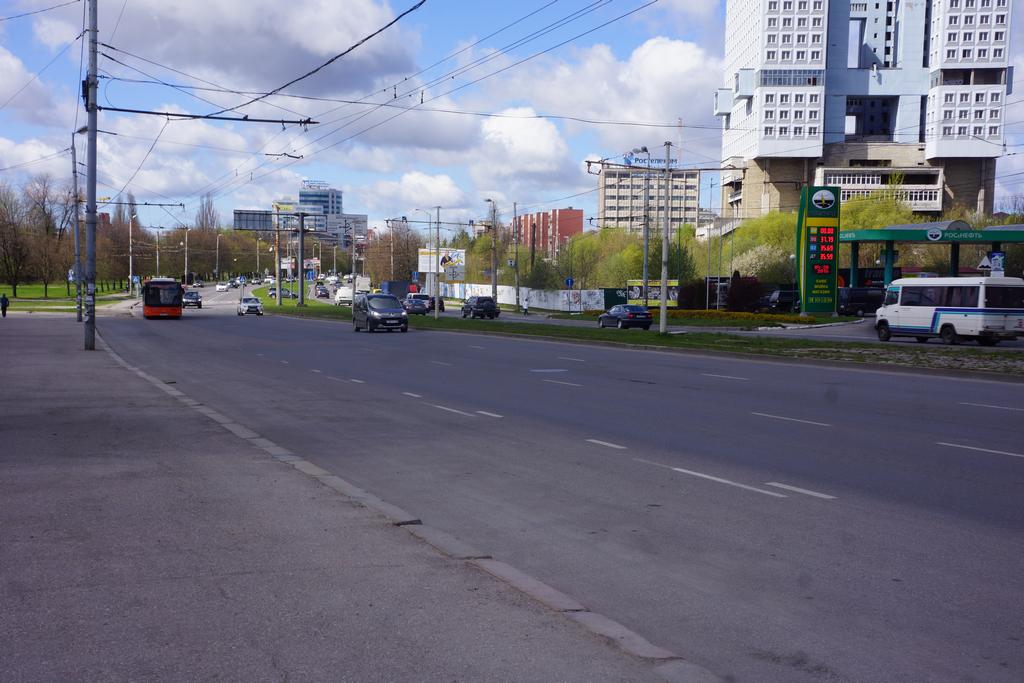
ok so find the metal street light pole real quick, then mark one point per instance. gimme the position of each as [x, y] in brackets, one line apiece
[216, 266]
[131, 263]
[494, 251]
[78, 229]
[663, 320]
[646, 229]
[92, 81]
[516, 227]
[186, 256]
[158, 251]
[437, 275]
[257, 254]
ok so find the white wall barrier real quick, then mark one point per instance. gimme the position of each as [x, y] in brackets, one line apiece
[549, 299]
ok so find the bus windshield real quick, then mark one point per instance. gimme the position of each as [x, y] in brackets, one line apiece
[162, 295]
[1004, 297]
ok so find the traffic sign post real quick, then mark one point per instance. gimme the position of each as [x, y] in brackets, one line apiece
[817, 238]
[569, 282]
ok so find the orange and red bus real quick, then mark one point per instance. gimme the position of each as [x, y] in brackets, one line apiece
[161, 298]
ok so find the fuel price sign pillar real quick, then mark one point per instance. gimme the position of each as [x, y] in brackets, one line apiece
[817, 241]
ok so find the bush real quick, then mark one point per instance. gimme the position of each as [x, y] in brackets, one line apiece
[732, 315]
[744, 293]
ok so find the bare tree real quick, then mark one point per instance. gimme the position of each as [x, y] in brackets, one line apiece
[50, 217]
[14, 247]
[207, 217]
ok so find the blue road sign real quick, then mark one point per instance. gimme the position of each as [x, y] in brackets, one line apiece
[569, 282]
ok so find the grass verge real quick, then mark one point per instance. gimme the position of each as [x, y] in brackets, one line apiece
[930, 356]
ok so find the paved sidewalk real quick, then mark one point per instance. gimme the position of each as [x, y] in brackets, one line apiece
[140, 540]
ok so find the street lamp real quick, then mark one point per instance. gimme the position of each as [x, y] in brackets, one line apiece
[257, 254]
[494, 250]
[185, 243]
[646, 229]
[216, 267]
[131, 265]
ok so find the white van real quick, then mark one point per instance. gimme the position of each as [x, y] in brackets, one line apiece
[987, 309]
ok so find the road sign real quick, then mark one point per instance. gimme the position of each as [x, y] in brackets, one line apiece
[511, 263]
[455, 273]
[817, 239]
[985, 264]
[569, 282]
[997, 259]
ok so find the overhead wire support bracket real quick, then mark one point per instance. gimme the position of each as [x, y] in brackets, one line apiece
[170, 115]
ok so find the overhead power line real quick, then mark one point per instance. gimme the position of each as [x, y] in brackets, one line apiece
[328, 62]
[38, 11]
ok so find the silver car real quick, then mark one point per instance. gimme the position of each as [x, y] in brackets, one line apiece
[250, 304]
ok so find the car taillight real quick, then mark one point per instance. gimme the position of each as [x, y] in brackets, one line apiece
[630, 315]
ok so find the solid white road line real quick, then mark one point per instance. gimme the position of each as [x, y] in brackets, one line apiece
[773, 494]
[357, 381]
[484, 412]
[708, 374]
[409, 393]
[549, 370]
[474, 346]
[989, 405]
[574, 360]
[792, 419]
[453, 410]
[441, 362]
[975, 448]
[607, 444]
[797, 489]
[317, 371]
[284, 362]
[568, 384]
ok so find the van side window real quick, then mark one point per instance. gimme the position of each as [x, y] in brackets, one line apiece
[892, 295]
[911, 296]
[932, 296]
[963, 297]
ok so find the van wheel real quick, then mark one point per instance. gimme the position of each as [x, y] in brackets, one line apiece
[948, 335]
[860, 313]
[884, 333]
[987, 341]
[921, 340]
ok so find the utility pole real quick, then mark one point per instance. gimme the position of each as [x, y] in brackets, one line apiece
[186, 257]
[277, 259]
[663, 320]
[158, 251]
[391, 243]
[533, 242]
[437, 275]
[90, 183]
[647, 231]
[352, 237]
[257, 254]
[302, 264]
[515, 236]
[131, 262]
[707, 239]
[494, 251]
[78, 229]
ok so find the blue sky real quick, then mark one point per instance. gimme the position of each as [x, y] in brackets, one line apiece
[657, 65]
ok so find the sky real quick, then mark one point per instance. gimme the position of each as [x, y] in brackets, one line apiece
[440, 109]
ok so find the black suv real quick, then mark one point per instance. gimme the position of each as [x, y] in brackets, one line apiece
[379, 311]
[191, 298]
[781, 301]
[859, 301]
[480, 307]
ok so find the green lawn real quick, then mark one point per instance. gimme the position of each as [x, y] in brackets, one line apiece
[766, 320]
[930, 356]
[58, 290]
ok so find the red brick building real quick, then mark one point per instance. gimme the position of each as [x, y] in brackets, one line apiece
[549, 230]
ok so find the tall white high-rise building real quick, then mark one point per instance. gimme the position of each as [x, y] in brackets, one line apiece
[903, 95]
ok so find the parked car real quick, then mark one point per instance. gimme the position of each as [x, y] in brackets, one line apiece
[782, 301]
[222, 286]
[322, 293]
[859, 301]
[625, 316]
[416, 303]
[379, 311]
[430, 304]
[269, 280]
[285, 294]
[480, 307]
[191, 298]
[197, 283]
[250, 304]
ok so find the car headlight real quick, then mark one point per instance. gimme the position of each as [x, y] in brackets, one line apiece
[404, 314]
[375, 314]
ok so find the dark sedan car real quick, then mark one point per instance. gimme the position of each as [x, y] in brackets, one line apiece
[624, 316]
[322, 293]
[416, 303]
[480, 307]
[285, 294]
[191, 298]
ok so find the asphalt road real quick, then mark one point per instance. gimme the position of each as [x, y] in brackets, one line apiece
[768, 521]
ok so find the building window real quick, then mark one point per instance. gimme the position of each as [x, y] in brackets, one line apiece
[769, 98]
[769, 114]
[786, 39]
[965, 97]
[813, 98]
[1000, 19]
[813, 130]
[993, 114]
[772, 22]
[961, 130]
[784, 98]
[982, 53]
[771, 38]
[979, 130]
[798, 132]
[801, 55]
[801, 22]
[816, 22]
[966, 54]
[951, 37]
[999, 35]
[798, 114]
[963, 114]
[802, 5]
[950, 54]
[801, 38]
[816, 38]
[954, 3]
[947, 130]
[812, 114]
[784, 114]
[787, 5]
[816, 55]
[786, 55]
[783, 131]
[968, 36]
[954, 20]
[770, 55]
[949, 98]
[993, 130]
[947, 115]
[787, 22]
[773, 6]
[979, 113]
[979, 97]
[982, 36]
[769, 131]
[798, 98]
[995, 97]
[817, 5]
[997, 53]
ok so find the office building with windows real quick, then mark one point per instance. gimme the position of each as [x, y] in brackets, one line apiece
[621, 189]
[904, 96]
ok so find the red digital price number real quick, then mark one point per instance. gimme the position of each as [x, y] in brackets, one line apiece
[822, 269]
[826, 257]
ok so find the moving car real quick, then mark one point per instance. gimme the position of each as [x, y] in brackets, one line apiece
[197, 283]
[322, 293]
[379, 311]
[250, 304]
[285, 294]
[269, 280]
[859, 301]
[416, 303]
[191, 298]
[480, 307]
[222, 287]
[343, 297]
[782, 301]
[625, 316]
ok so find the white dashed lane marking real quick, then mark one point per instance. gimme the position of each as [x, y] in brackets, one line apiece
[452, 410]
[357, 381]
[606, 444]
[410, 394]
[989, 405]
[441, 362]
[568, 384]
[484, 412]
[797, 489]
[574, 360]
[792, 419]
[983, 450]
[708, 374]
[719, 480]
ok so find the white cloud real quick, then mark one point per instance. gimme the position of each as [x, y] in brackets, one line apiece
[32, 99]
[413, 189]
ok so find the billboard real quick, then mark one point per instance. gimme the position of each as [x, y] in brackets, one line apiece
[449, 258]
[253, 220]
[817, 242]
[635, 292]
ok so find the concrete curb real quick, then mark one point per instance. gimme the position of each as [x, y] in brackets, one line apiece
[446, 543]
[539, 591]
[628, 640]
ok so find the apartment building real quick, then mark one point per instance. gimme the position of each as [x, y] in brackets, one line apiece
[621, 191]
[547, 231]
[905, 96]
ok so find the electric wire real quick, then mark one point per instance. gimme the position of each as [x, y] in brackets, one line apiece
[38, 11]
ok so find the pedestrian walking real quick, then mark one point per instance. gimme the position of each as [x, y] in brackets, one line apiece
[4, 303]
